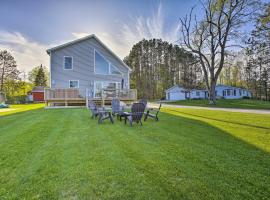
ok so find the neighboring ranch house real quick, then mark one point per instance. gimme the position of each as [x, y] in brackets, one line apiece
[176, 93]
[180, 93]
[229, 92]
[222, 91]
[88, 66]
[197, 94]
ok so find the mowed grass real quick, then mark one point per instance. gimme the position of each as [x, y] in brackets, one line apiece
[188, 154]
[20, 108]
[227, 103]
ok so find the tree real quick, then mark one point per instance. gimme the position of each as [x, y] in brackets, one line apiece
[157, 65]
[210, 38]
[39, 76]
[8, 68]
[258, 52]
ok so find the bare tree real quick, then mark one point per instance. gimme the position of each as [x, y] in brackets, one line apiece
[212, 37]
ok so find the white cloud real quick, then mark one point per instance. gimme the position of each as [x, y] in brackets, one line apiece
[135, 29]
[27, 53]
[140, 27]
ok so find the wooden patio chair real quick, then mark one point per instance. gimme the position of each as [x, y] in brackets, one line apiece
[143, 101]
[152, 112]
[136, 114]
[116, 107]
[94, 109]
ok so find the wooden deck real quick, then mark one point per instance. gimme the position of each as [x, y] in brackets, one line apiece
[65, 97]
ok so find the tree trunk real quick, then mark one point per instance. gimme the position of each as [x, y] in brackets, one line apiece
[212, 93]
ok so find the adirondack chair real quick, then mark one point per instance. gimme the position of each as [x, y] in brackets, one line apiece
[136, 114]
[116, 107]
[153, 113]
[94, 109]
[143, 101]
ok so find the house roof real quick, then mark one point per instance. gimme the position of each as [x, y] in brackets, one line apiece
[231, 87]
[38, 89]
[86, 38]
[175, 86]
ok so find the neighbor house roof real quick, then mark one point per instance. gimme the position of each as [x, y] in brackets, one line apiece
[231, 87]
[175, 86]
[86, 38]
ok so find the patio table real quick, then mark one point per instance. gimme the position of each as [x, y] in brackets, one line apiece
[105, 114]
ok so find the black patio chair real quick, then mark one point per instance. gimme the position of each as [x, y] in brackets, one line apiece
[136, 114]
[152, 112]
[117, 109]
[94, 108]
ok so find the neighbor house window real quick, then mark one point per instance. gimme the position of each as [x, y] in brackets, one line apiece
[74, 84]
[234, 92]
[102, 66]
[228, 93]
[224, 93]
[197, 94]
[68, 62]
[240, 92]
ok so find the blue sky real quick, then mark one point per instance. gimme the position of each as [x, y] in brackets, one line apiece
[30, 27]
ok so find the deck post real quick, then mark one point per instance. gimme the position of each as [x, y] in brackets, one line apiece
[65, 91]
[86, 97]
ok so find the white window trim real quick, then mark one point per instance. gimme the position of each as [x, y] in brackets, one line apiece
[71, 62]
[74, 87]
[121, 74]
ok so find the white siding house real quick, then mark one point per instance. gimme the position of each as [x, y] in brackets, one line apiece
[176, 93]
[87, 63]
[198, 94]
[222, 91]
[229, 92]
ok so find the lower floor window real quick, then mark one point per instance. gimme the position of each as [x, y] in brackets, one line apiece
[73, 84]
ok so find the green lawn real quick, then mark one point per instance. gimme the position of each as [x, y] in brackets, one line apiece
[227, 103]
[188, 154]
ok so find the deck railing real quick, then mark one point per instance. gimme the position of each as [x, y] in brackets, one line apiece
[62, 94]
[74, 93]
[124, 94]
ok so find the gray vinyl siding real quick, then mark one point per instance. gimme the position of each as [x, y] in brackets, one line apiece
[83, 65]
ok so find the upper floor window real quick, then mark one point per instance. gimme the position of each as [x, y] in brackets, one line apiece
[74, 84]
[114, 70]
[68, 62]
[102, 66]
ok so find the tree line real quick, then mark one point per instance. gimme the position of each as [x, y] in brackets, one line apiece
[14, 83]
[157, 65]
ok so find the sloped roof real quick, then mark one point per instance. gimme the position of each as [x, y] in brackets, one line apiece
[175, 86]
[231, 87]
[86, 38]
